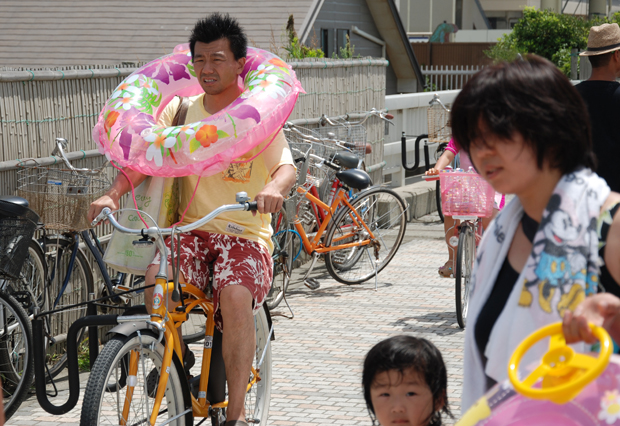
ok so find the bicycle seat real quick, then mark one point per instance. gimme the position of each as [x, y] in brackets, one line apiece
[354, 178]
[346, 159]
[11, 205]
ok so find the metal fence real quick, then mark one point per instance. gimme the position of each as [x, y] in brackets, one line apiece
[448, 77]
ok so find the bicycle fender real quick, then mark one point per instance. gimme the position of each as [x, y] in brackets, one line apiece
[269, 322]
[129, 328]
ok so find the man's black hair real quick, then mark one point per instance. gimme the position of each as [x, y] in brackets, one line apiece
[532, 97]
[402, 353]
[217, 26]
[598, 61]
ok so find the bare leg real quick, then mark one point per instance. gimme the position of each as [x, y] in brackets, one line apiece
[238, 345]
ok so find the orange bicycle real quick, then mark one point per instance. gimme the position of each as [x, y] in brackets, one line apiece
[119, 390]
[360, 234]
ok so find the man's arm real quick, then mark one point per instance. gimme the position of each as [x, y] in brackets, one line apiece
[271, 197]
[119, 187]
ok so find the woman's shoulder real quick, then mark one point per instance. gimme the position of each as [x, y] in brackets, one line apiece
[612, 200]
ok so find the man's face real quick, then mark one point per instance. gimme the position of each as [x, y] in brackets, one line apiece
[216, 67]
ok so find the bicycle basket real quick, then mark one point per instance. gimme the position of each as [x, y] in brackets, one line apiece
[16, 231]
[61, 197]
[439, 129]
[354, 135]
[466, 194]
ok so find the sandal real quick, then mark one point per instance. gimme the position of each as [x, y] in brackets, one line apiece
[446, 270]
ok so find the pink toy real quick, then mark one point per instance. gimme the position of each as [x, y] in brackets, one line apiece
[585, 388]
[127, 129]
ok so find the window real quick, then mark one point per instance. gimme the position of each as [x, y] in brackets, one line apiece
[325, 42]
[341, 39]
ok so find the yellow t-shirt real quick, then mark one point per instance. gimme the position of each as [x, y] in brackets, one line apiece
[219, 189]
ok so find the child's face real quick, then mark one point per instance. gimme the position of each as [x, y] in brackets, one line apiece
[401, 399]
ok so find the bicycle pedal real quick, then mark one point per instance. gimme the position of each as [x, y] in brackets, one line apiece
[312, 283]
[252, 421]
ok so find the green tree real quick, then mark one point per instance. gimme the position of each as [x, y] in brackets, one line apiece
[547, 34]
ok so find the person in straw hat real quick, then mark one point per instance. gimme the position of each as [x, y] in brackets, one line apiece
[601, 94]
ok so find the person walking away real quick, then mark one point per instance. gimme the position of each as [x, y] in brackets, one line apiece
[601, 93]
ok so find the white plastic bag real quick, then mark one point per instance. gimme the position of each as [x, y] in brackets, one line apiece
[157, 196]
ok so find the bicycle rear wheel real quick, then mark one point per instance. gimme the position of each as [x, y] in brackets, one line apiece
[107, 388]
[465, 256]
[16, 353]
[383, 211]
[58, 256]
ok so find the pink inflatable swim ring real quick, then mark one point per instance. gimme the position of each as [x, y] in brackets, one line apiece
[127, 129]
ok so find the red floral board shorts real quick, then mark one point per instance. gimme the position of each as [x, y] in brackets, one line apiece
[236, 261]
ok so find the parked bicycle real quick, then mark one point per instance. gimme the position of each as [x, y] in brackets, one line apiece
[17, 226]
[118, 389]
[56, 274]
[361, 234]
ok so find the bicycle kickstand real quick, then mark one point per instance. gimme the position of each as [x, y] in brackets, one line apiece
[374, 264]
[311, 283]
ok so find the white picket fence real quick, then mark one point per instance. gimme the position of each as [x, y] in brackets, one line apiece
[448, 77]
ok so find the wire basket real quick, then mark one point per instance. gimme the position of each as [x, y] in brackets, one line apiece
[355, 135]
[61, 197]
[439, 129]
[16, 231]
[466, 194]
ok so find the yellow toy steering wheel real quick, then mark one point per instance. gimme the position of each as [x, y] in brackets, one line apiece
[564, 373]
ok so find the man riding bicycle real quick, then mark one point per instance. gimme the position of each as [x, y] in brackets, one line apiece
[237, 244]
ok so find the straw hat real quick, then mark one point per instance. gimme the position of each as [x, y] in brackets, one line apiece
[603, 39]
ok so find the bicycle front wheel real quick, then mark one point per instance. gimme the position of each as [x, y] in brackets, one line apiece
[258, 398]
[58, 251]
[383, 212]
[117, 390]
[16, 353]
[465, 256]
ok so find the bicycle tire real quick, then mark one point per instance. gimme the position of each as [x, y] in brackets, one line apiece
[465, 256]
[258, 398]
[438, 201]
[79, 286]
[99, 401]
[16, 353]
[383, 211]
[284, 253]
[29, 288]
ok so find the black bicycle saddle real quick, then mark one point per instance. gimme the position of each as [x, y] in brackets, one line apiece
[345, 159]
[11, 205]
[354, 178]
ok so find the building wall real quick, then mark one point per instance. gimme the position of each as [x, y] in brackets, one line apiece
[423, 16]
[342, 15]
[45, 33]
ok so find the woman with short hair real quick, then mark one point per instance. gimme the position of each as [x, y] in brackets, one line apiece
[527, 132]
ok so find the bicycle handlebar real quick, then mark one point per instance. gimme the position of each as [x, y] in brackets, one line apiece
[436, 100]
[107, 213]
[384, 115]
[61, 144]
